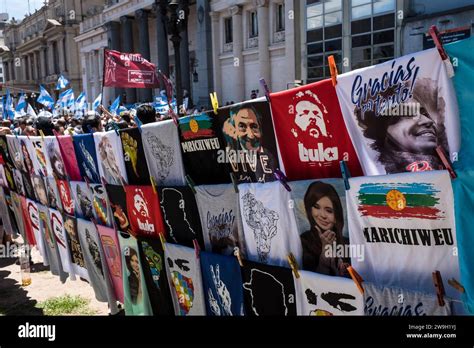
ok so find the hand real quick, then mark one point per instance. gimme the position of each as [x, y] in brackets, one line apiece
[229, 129]
[327, 237]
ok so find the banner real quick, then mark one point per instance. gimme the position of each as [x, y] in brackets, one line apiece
[129, 70]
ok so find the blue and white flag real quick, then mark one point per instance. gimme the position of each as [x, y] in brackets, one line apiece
[81, 101]
[20, 107]
[30, 111]
[62, 82]
[66, 99]
[97, 102]
[44, 98]
[115, 105]
[9, 111]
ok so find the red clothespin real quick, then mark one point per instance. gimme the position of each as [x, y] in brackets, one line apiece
[333, 70]
[197, 249]
[446, 163]
[434, 33]
[293, 264]
[265, 88]
[356, 278]
[282, 179]
[438, 283]
[238, 256]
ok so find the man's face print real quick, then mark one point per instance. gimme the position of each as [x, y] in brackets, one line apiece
[248, 129]
[140, 204]
[309, 118]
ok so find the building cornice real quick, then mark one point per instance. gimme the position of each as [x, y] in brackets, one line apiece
[90, 34]
[126, 7]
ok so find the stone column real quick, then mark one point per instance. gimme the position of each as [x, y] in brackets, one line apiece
[204, 54]
[43, 59]
[127, 47]
[97, 72]
[216, 51]
[113, 40]
[238, 61]
[263, 41]
[184, 50]
[34, 75]
[61, 54]
[24, 68]
[162, 38]
[145, 94]
[6, 72]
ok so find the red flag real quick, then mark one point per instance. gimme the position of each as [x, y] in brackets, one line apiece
[129, 70]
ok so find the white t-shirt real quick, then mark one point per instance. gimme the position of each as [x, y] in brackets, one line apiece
[108, 147]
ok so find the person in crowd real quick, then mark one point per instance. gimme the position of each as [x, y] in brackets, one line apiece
[146, 114]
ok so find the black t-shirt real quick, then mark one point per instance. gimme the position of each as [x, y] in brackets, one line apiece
[268, 290]
[134, 157]
[181, 216]
[118, 205]
[4, 150]
[152, 260]
[203, 149]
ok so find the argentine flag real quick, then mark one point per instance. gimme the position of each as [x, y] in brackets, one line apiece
[81, 101]
[44, 98]
[62, 82]
[97, 102]
[115, 105]
[20, 107]
[9, 106]
[30, 111]
[66, 99]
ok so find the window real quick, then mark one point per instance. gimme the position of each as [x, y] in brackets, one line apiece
[228, 29]
[253, 32]
[280, 17]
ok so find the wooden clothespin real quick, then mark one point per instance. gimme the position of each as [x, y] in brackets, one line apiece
[238, 256]
[162, 240]
[356, 278]
[293, 264]
[191, 184]
[265, 88]
[42, 134]
[455, 284]
[345, 174]
[333, 69]
[434, 33]
[197, 249]
[234, 182]
[138, 122]
[214, 102]
[446, 162]
[282, 179]
[153, 184]
[438, 283]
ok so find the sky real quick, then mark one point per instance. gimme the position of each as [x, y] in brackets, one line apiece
[18, 8]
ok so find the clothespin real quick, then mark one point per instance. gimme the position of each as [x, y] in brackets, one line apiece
[345, 174]
[103, 181]
[86, 179]
[446, 163]
[191, 183]
[214, 102]
[438, 283]
[162, 240]
[238, 256]
[282, 179]
[197, 249]
[234, 182]
[293, 264]
[153, 184]
[333, 69]
[356, 278]
[264, 85]
[42, 134]
[138, 122]
[434, 33]
[455, 284]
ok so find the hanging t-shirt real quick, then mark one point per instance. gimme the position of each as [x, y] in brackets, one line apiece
[111, 164]
[77, 255]
[28, 186]
[322, 295]
[100, 205]
[268, 290]
[15, 152]
[251, 148]
[39, 189]
[65, 196]
[53, 193]
[398, 112]
[33, 221]
[389, 301]
[180, 215]
[220, 218]
[269, 223]
[28, 229]
[51, 246]
[311, 132]
[93, 258]
[9, 173]
[4, 212]
[222, 284]
[134, 157]
[152, 258]
[161, 147]
[39, 156]
[18, 178]
[54, 158]
[118, 207]
[320, 210]
[136, 297]
[69, 157]
[405, 224]
[18, 213]
[203, 149]
[57, 228]
[28, 152]
[82, 198]
[185, 281]
[144, 211]
[4, 152]
[110, 245]
[84, 147]
[3, 178]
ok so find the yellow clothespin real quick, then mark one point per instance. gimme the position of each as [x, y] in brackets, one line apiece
[333, 69]
[293, 264]
[214, 102]
[356, 278]
[455, 284]
[153, 184]
[238, 256]
[42, 134]
[162, 240]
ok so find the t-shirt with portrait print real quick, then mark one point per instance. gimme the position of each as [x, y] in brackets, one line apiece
[134, 157]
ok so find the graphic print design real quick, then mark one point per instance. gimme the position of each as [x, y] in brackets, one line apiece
[130, 148]
[183, 286]
[221, 305]
[174, 196]
[163, 155]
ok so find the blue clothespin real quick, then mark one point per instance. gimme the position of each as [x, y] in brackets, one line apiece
[345, 174]
[190, 183]
[282, 179]
[265, 88]
[138, 122]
